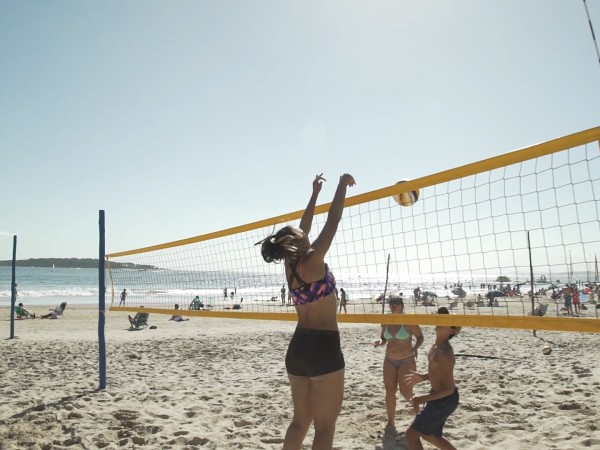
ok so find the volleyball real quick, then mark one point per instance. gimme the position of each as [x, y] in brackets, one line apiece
[406, 198]
[547, 350]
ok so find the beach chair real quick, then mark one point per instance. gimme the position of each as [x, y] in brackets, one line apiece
[22, 313]
[428, 301]
[140, 320]
[470, 304]
[196, 304]
[540, 310]
[453, 304]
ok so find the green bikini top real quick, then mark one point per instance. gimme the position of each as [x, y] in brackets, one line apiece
[401, 334]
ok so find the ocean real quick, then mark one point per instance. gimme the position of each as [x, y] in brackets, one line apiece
[48, 286]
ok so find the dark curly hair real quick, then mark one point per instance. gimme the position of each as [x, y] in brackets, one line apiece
[286, 243]
[396, 300]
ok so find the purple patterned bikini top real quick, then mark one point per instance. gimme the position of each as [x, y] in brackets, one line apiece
[311, 292]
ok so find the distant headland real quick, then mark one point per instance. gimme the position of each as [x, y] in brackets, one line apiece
[72, 263]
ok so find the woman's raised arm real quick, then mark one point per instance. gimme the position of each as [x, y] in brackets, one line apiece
[309, 212]
[323, 242]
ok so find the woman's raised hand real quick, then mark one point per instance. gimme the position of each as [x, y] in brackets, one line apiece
[318, 183]
[347, 180]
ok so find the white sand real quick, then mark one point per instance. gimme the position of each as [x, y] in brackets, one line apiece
[221, 384]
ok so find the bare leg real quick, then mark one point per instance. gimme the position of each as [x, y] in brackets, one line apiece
[302, 413]
[390, 381]
[393, 379]
[408, 365]
[326, 395]
[319, 398]
[439, 442]
[413, 440]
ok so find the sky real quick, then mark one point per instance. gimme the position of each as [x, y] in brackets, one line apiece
[183, 118]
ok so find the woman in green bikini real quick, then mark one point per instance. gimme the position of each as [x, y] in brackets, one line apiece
[400, 359]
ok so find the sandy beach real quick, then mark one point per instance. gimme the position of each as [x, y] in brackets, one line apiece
[221, 384]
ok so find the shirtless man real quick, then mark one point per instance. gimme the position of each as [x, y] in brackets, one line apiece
[568, 296]
[442, 399]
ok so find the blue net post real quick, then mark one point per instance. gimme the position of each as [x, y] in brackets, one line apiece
[101, 305]
[13, 290]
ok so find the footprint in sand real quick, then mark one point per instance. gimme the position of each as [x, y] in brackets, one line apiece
[569, 406]
[271, 440]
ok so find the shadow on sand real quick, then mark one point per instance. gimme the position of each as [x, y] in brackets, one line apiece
[389, 442]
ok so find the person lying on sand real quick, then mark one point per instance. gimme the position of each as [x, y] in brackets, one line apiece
[176, 317]
[56, 312]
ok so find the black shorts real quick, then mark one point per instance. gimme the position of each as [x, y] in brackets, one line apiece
[314, 352]
[431, 419]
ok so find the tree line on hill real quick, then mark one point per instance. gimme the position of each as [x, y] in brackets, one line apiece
[72, 263]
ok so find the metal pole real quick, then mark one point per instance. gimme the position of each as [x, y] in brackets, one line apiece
[531, 277]
[570, 268]
[13, 295]
[101, 305]
[387, 271]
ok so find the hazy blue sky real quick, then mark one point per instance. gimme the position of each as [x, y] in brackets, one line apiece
[186, 117]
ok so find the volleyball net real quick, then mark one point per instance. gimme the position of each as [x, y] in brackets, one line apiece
[495, 241]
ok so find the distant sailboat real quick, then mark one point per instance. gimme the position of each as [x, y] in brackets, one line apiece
[52, 266]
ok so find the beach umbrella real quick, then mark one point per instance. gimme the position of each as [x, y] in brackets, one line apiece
[494, 294]
[460, 292]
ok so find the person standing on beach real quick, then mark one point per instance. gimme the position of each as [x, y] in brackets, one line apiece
[314, 359]
[283, 295]
[123, 297]
[343, 301]
[443, 397]
[576, 299]
[568, 297]
[399, 361]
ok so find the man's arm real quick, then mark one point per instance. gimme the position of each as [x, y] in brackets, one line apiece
[443, 381]
[414, 378]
